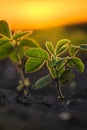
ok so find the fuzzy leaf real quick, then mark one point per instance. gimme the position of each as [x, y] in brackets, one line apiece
[33, 64]
[62, 50]
[29, 42]
[51, 68]
[61, 45]
[75, 61]
[57, 61]
[37, 53]
[21, 34]
[59, 67]
[43, 82]
[3, 41]
[60, 60]
[50, 47]
[72, 50]
[5, 50]
[83, 47]
[4, 29]
[61, 71]
[66, 76]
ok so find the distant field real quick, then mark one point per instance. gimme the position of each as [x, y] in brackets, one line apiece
[76, 33]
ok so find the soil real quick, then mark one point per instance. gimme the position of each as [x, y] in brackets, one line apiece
[42, 110]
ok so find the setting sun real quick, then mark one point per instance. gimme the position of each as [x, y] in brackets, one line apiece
[40, 14]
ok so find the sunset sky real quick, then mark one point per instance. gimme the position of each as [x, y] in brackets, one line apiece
[40, 14]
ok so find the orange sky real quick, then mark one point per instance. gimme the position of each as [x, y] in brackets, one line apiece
[40, 14]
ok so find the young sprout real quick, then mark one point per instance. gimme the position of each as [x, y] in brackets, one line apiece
[13, 46]
[60, 66]
[26, 52]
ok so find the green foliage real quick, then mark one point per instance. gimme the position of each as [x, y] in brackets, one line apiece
[43, 82]
[72, 50]
[50, 47]
[37, 53]
[5, 50]
[4, 29]
[77, 62]
[83, 47]
[29, 42]
[51, 68]
[18, 41]
[37, 57]
[13, 45]
[21, 34]
[3, 41]
[61, 46]
[60, 67]
[66, 77]
[33, 64]
[13, 55]
[18, 46]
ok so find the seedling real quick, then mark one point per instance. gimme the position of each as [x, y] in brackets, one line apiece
[60, 66]
[13, 46]
[26, 52]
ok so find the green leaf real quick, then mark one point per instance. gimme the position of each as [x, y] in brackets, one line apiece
[83, 47]
[29, 42]
[60, 45]
[62, 50]
[60, 67]
[60, 60]
[21, 34]
[75, 61]
[4, 29]
[5, 50]
[43, 82]
[72, 50]
[3, 41]
[51, 68]
[13, 55]
[57, 61]
[61, 71]
[66, 77]
[33, 64]
[37, 53]
[50, 47]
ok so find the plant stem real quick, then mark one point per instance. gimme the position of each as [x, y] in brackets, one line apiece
[20, 70]
[58, 86]
[59, 92]
[21, 75]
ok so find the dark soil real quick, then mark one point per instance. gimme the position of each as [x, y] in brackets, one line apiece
[42, 110]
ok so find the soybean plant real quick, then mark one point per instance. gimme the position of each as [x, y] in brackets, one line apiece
[13, 45]
[60, 61]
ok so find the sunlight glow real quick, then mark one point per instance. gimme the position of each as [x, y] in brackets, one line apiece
[40, 14]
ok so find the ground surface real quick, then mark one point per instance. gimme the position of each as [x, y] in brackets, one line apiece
[42, 110]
